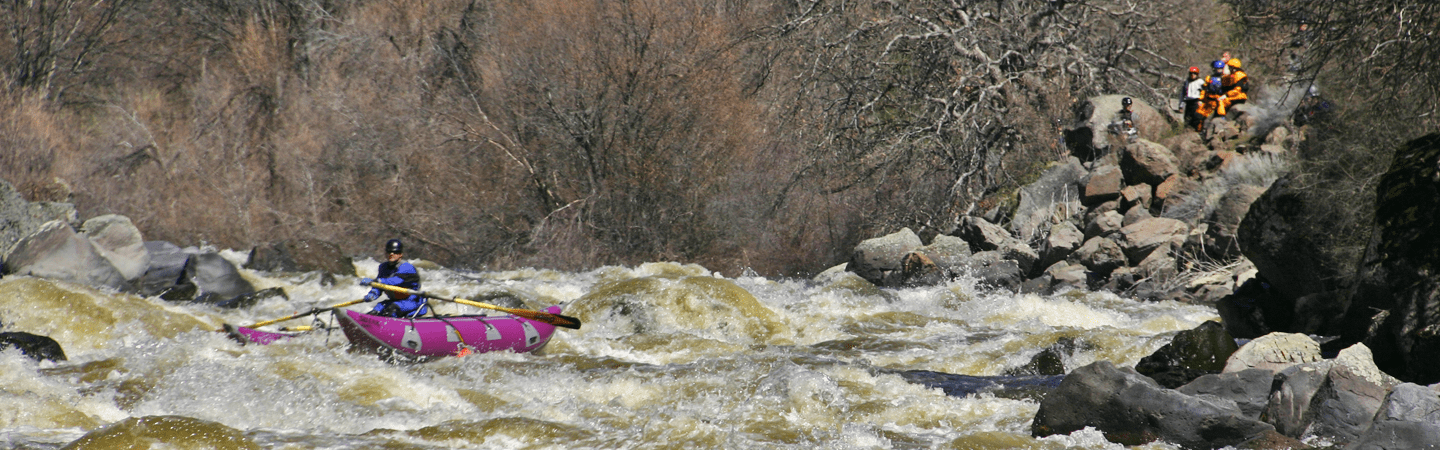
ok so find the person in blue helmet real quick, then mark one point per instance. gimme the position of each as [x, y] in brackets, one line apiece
[395, 272]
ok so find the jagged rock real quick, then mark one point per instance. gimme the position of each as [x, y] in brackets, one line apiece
[1220, 132]
[166, 269]
[1136, 196]
[1024, 256]
[1147, 162]
[1270, 236]
[1408, 255]
[1062, 240]
[1168, 192]
[1224, 221]
[1139, 239]
[37, 347]
[1249, 389]
[1045, 199]
[120, 242]
[983, 235]
[1134, 215]
[1195, 352]
[1159, 266]
[1103, 185]
[1408, 418]
[994, 270]
[1104, 225]
[244, 301]
[20, 218]
[1100, 255]
[1186, 147]
[217, 279]
[1063, 274]
[300, 255]
[1274, 352]
[946, 251]
[56, 251]
[1132, 409]
[1248, 311]
[874, 258]
[1291, 392]
[1347, 402]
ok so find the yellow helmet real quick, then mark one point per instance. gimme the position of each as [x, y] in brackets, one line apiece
[1235, 62]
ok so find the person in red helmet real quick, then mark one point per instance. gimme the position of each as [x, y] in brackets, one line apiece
[1190, 94]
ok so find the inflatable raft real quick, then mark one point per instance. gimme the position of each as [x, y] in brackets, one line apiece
[430, 337]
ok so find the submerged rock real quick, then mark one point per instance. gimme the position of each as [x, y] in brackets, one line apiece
[37, 347]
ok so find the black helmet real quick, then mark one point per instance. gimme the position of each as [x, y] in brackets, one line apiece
[1126, 101]
[394, 246]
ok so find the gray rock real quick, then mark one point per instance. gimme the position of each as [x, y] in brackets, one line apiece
[1062, 239]
[1288, 407]
[1408, 418]
[1224, 222]
[1350, 397]
[119, 242]
[1132, 409]
[874, 258]
[947, 251]
[56, 251]
[1135, 215]
[20, 218]
[1274, 352]
[992, 269]
[166, 269]
[1046, 198]
[37, 347]
[1100, 255]
[300, 255]
[984, 236]
[217, 279]
[1063, 275]
[1249, 389]
[1147, 162]
[1094, 137]
[1104, 225]
[1139, 239]
[1198, 351]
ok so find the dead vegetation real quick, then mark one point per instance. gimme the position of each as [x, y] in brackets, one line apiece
[740, 134]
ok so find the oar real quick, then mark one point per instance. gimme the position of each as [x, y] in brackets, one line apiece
[306, 313]
[538, 316]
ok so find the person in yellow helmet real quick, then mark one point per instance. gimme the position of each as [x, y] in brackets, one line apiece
[1235, 85]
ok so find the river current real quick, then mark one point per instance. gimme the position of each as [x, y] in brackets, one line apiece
[671, 356]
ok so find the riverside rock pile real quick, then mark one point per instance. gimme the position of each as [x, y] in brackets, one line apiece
[1156, 217]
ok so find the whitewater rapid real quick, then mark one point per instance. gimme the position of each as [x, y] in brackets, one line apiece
[670, 356]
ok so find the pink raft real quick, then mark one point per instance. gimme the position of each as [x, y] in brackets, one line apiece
[430, 338]
[427, 338]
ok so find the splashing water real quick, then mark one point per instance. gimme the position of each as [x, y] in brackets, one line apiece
[670, 356]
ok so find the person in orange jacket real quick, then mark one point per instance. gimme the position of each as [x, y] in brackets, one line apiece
[1211, 99]
[1235, 85]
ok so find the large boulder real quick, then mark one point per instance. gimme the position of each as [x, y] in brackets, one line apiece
[1352, 393]
[994, 270]
[120, 242]
[1140, 238]
[874, 258]
[1132, 409]
[1062, 239]
[166, 269]
[57, 252]
[1281, 236]
[20, 218]
[1408, 418]
[1053, 198]
[300, 255]
[1189, 355]
[37, 347]
[1103, 185]
[1100, 255]
[1147, 162]
[1249, 389]
[1224, 222]
[1274, 352]
[217, 279]
[1291, 393]
[1408, 216]
[946, 251]
[1094, 136]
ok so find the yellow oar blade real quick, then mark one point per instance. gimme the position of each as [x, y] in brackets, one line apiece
[306, 313]
[538, 316]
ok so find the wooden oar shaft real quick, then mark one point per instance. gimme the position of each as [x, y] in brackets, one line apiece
[539, 316]
[306, 313]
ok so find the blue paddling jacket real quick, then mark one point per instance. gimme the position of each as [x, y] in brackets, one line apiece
[403, 274]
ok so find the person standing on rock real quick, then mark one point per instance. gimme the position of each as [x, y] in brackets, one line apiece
[1210, 98]
[395, 272]
[1190, 99]
[1236, 84]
